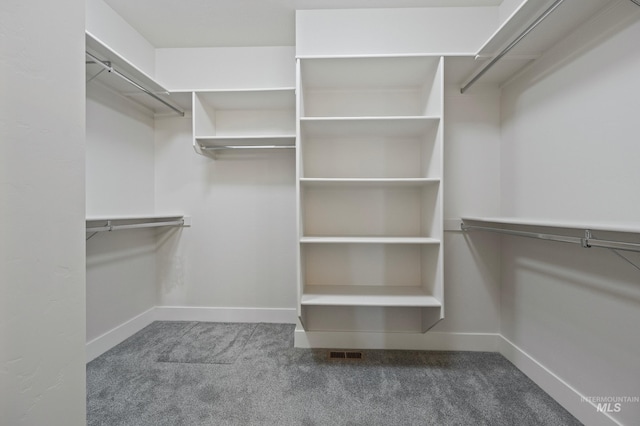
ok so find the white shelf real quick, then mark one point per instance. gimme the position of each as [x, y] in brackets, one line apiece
[212, 141]
[368, 240]
[559, 24]
[157, 217]
[97, 73]
[360, 295]
[397, 126]
[376, 182]
[626, 227]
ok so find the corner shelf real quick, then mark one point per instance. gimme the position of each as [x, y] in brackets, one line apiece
[559, 24]
[262, 118]
[95, 72]
[95, 224]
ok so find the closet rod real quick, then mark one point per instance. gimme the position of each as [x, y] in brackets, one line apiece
[587, 241]
[110, 68]
[511, 45]
[110, 227]
[223, 147]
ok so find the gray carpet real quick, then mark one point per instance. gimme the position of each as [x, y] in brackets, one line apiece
[189, 373]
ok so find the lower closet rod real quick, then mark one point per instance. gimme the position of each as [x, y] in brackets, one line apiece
[110, 227]
[587, 241]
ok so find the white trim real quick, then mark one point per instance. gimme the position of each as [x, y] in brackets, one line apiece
[96, 347]
[558, 389]
[209, 314]
[433, 340]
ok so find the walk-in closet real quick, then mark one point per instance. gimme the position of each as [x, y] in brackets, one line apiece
[310, 212]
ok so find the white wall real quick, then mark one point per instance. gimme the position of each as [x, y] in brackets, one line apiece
[240, 251]
[193, 69]
[42, 275]
[121, 268]
[433, 30]
[570, 152]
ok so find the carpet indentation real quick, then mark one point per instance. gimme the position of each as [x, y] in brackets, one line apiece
[209, 343]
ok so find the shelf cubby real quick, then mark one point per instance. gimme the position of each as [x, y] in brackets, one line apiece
[371, 86]
[398, 147]
[257, 117]
[375, 209]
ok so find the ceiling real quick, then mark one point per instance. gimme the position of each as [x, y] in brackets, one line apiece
[216, 23]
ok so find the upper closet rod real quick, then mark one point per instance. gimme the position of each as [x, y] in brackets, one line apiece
[512, 44]
[110, 68]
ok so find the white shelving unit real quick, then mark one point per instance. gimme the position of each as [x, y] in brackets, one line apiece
[243, 119]
[370, 193]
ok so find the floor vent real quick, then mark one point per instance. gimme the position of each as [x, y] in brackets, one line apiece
[351, 355]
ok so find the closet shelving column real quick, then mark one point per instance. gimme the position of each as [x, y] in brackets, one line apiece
[370, 193]
[243, 118]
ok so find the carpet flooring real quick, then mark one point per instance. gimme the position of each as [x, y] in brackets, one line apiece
[192, 373]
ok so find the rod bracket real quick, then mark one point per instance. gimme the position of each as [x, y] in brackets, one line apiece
[584, 242]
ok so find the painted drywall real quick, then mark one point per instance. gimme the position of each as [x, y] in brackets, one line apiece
[434, 30]
[121, 268]
[193, 69]
[42, 275]
[569, 152]
[240, 250]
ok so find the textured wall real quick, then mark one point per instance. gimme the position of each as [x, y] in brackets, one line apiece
[42, 192]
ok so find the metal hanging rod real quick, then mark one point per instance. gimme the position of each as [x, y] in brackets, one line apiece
[224, 147]
[587, 241]
[511, 45]
[107, 65]
[109, 226]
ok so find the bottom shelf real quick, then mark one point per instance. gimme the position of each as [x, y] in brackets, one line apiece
[360, 295]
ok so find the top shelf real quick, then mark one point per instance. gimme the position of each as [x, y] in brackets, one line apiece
[626, 227]
[96, 72]
[556, 26]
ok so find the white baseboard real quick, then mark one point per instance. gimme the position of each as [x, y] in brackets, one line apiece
[207, 314]
[111, 338]
[433, 340]
[558, 389]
